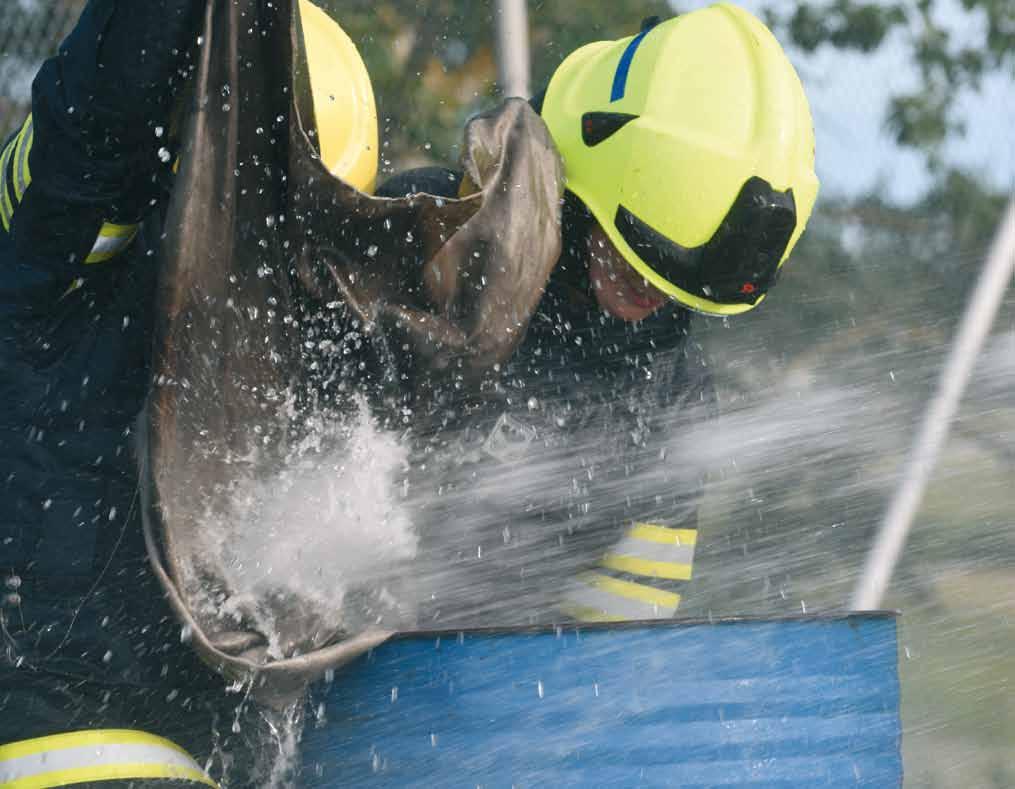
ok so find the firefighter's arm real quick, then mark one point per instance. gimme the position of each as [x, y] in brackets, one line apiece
[79, 173]
[647, 572]
[643, 576]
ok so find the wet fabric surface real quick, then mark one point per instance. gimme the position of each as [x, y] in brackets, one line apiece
[286, 296]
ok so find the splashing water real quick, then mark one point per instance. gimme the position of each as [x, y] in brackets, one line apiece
[309, 550]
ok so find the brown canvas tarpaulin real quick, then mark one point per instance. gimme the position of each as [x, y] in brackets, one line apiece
[258, 230]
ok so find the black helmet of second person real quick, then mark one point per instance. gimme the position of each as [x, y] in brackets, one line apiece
[692, 145]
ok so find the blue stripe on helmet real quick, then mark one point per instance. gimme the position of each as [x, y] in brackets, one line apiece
[624, 66]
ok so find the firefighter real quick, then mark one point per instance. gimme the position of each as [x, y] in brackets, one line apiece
[92, 659]
[689, 159]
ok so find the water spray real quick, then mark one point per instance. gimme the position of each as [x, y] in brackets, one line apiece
[976, 323]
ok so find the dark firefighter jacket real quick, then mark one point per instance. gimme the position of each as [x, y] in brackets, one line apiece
[82, 191]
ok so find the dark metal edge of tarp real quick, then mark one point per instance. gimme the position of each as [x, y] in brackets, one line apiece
[824, 616]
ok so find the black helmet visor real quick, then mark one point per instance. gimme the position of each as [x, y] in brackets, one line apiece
[739, 263]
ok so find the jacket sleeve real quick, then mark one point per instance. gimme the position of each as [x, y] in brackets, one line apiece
[647, 571]
[82, 170]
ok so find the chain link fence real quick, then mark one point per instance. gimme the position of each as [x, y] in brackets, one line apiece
[31, 31]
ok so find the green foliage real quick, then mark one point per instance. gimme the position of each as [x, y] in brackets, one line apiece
[844, 24]
[924, 118]
[433, 64]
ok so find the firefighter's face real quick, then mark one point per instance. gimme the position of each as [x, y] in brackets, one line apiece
[619, 289]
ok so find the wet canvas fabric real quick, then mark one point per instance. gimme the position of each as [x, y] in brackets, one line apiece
[289, 301]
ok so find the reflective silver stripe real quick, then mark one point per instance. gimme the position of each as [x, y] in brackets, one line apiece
[651, 559]
[654, 551]
[614, 600]
[112, 240]
[95, 758]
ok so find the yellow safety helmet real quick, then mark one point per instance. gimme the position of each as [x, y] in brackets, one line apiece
[343, 100]
[692, 145]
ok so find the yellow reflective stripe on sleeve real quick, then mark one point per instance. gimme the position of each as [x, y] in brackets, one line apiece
[92, 756]
[663, 534]
[632, 591]
[113, 239]
[14, 165]
[655, 552]
[584, 613]
[120, 772]
[22, 172]
[6, 207]
[634, 565]
[594, 597]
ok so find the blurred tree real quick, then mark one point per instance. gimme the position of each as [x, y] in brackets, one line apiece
[946, 62]
[433, 63]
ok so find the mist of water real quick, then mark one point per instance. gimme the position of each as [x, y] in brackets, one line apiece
[309, 551]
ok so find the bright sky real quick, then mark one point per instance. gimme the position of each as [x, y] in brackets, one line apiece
[849, 94]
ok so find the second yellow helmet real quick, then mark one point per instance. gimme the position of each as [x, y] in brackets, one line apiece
[344, 107]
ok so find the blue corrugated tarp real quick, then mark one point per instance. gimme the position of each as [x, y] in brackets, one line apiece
[799, 702]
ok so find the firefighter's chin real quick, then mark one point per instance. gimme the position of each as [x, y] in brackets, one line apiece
[619, 289]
